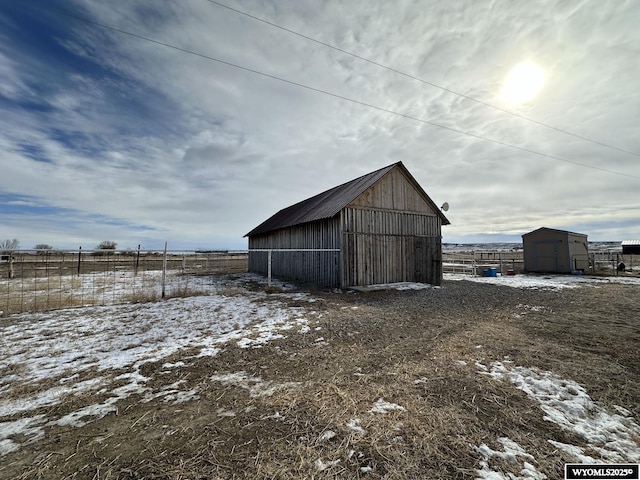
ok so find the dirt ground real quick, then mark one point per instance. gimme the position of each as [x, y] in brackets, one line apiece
[311, 415]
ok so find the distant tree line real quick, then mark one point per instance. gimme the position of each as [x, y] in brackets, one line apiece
[9, 246]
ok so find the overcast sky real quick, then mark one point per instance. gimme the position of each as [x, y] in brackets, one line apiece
[106, 136]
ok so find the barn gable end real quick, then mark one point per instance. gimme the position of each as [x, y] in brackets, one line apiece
[396, 190]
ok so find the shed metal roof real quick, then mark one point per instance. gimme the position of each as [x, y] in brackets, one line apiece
[628, 243]
[329, 203]
[547, 229]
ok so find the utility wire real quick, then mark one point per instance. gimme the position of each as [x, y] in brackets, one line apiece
[413, 77]
[341, 97]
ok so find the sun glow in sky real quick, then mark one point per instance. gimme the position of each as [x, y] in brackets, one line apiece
[523, 83]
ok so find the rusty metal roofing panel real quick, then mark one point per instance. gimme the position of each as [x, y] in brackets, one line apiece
[329, 203]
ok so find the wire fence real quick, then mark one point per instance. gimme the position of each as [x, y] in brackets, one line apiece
[474, 262]
[35, 280]
[505, 262]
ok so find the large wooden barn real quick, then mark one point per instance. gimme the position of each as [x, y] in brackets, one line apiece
[379, 228]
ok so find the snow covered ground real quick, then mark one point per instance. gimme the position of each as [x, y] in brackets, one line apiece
[47, 357]
[551, 282]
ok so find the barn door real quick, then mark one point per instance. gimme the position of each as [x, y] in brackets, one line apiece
[421, 267]
[427, 258]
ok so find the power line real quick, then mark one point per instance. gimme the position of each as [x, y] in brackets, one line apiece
[341, 97]
[413, 77]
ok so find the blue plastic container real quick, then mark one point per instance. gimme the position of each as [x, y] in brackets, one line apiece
[489, 272]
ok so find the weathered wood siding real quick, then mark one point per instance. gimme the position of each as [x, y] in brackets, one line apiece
[387, 222]
[396, 192]
[320, 268]
[382, 246]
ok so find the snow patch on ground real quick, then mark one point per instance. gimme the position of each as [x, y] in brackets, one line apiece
[31, 427]
[545, 282]
[327, 435]
[512, 453]
[385, 407]
[321, 465]
[614, 436]
[255, 385]
[99, 351]
[573, 450]
[354, 424]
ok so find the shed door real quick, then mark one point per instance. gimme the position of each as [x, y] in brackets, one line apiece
[546, 256]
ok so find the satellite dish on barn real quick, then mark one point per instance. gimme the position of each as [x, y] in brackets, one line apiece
[445, 207]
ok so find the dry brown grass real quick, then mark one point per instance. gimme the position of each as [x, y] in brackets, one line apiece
[405, 348]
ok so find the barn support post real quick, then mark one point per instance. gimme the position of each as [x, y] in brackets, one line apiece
[269, 267]
[164, 270]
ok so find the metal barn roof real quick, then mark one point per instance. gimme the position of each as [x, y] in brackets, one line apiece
[329, 203]
[628, 243]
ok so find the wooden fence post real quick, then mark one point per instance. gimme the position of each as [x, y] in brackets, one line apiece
[474, 266]
[164, 269]
[135, 270]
